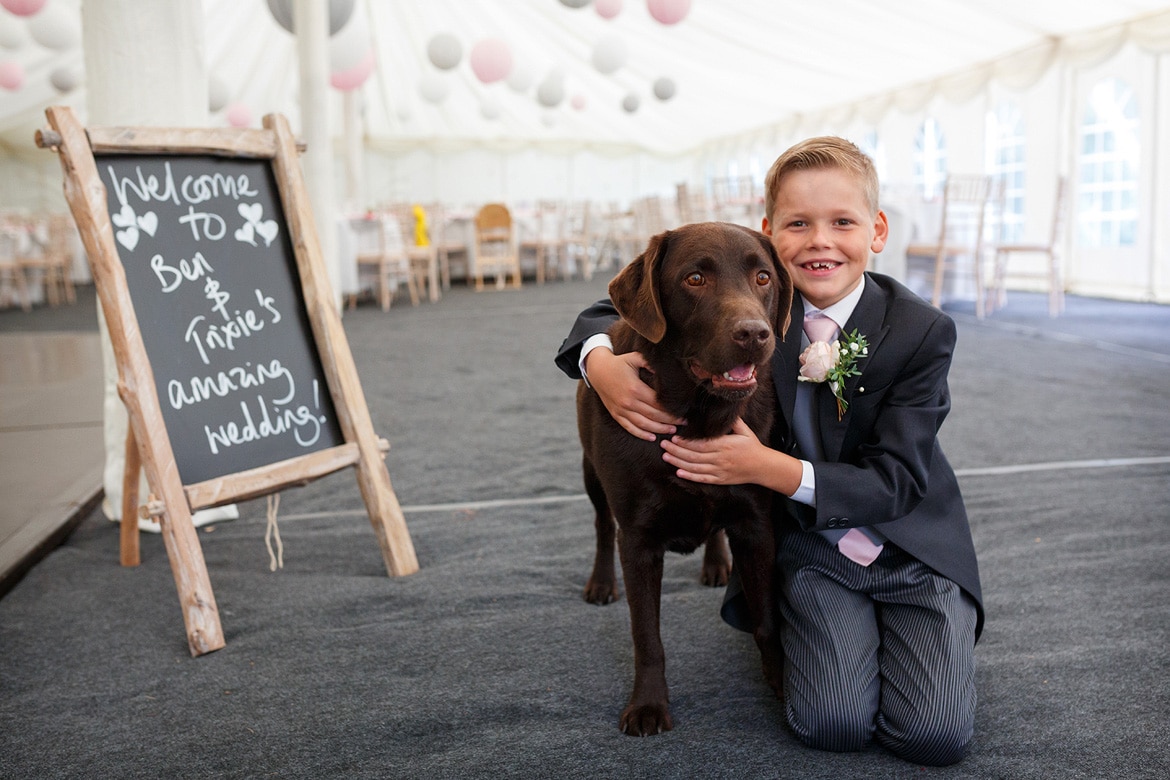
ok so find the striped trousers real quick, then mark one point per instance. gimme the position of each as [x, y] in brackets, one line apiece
[884, 652]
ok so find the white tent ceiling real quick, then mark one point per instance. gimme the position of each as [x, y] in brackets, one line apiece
[739, 66]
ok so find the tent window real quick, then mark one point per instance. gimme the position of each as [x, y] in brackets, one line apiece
[1109, 160]
[1006, 161]
[930, 158]
[872, 145]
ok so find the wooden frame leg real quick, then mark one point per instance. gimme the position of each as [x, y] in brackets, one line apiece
[128, 546]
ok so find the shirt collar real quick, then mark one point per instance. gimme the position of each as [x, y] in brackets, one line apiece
[842, 310]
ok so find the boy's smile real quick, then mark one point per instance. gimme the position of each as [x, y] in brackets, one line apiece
[823, 230]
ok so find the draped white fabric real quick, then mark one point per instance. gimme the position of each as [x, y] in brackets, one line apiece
[740, 67]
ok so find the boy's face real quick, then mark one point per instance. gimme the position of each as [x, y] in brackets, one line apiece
[823, 231]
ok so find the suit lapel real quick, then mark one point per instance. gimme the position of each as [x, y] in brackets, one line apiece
[786, 364]
[868, 319]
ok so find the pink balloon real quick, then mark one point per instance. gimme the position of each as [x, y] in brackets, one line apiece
[11, 75]
[607, 9]
[354, 77]
[23, 7]
[669, 11]
[491, 60]
[239, 115]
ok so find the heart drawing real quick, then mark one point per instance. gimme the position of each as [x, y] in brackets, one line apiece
[256, 224]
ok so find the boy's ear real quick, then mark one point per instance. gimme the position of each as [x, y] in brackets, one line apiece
[634, 291]
[881, 232]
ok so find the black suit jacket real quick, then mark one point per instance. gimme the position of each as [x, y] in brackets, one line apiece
[883, 463]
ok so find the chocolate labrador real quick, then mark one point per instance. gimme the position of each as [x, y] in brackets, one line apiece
[704, 304]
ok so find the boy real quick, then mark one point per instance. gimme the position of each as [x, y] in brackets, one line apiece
[878, 585]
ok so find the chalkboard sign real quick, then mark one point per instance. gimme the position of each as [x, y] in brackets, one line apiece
[214, 283]
[232, 362]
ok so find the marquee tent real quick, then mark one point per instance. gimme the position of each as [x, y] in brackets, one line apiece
[467, 100]
[516, 72]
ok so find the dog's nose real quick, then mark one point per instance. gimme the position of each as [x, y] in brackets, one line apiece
[750, 333]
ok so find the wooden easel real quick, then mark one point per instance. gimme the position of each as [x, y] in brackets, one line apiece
[148, 442]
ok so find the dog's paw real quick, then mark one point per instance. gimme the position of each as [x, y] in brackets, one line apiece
[714, 575]
[646, 720]
[600, 592]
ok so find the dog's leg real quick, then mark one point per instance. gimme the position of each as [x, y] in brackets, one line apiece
[649, 709]
[716, 560]
[755, 560]
[602, 585]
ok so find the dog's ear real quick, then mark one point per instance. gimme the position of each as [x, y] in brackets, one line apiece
[634, 291]
[783, 290]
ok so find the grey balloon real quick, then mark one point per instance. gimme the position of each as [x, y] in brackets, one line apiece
[339, 13]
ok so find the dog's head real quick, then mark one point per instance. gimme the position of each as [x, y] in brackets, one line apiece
[712, 295]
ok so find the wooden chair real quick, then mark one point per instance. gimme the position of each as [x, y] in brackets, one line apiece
[382, 254]
[1053, 273]
[579, 237]
[967, 201]
[423, 256]
[496, 251]
[449, 243]
[13, 283]
[547, 241]
[50, 256]
[692, 206]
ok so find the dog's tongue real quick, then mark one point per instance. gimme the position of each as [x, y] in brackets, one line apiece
[741, 373]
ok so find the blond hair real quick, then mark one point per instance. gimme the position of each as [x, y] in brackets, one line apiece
[824, 151]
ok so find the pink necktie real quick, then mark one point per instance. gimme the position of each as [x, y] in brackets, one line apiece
[818, 327]
[855, 545]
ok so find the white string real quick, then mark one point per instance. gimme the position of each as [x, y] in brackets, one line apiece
[275, 560]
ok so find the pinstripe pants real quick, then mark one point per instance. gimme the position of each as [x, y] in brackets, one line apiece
[882, 652]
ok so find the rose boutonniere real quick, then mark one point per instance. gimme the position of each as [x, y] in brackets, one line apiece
[833, 363]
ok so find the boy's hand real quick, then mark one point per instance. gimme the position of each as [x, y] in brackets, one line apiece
[732, 459]
[627, 398]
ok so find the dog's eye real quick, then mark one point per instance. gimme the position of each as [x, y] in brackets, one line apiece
[695, 279]
[763, 278]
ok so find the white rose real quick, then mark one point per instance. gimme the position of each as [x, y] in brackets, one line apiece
[816, 361]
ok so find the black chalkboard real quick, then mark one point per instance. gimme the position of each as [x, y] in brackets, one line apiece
[213, 279]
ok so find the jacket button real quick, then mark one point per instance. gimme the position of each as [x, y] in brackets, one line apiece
[832, 522]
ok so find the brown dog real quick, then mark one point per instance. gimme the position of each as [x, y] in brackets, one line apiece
[704, 304]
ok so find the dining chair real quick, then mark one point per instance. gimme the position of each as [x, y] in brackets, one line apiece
[496, 251]
[579, 236]
[382, 254]
[1052, 273]
[49, 255]
[13, 283]
[421, 254]
[450, 237]
[968, 211]
[543, 239]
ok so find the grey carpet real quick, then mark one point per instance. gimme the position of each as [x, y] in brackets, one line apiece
[487, 663]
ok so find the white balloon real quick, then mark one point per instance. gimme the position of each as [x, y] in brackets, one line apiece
[55, 29]
[218, 94]
[349, 48]
[445, 51]
[664, 88]
[66, 78]
[575, 3]
[609, 54]
[434, 88]
[12, 35]
[521, 78]
[490, 108]
[630, 103]
[551, 91]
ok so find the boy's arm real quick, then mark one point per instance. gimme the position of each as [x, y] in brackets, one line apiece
[593, 321]
[615, 378]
